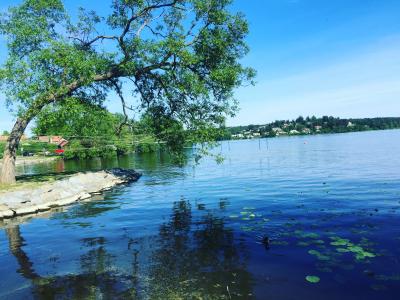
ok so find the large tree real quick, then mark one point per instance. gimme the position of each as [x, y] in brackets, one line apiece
[179, 58]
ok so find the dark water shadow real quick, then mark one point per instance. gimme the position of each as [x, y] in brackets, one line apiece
[188, 258]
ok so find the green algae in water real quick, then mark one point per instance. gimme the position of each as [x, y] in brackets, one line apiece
[347, 246]
[342, 250]
[364, 254]
[303, 244]
[302, 234]
[313, 279]
[340, 242]
[318, 254]
[311, 235]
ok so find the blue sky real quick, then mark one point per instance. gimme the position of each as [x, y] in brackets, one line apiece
[313, 57]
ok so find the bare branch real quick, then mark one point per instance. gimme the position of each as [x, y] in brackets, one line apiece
[156, 32]
[195, 39]
[143, 12]
[147, 22]
[126, 117]
[89, 43]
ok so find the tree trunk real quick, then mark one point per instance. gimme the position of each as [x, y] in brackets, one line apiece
[8, 169]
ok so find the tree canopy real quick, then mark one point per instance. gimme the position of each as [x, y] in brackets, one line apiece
[180, 59]
[74, 119]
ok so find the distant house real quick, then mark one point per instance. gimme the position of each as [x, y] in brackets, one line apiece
[44, 139]
[318, 128]
[238, 136]
[63, 142]
[56, 139]
[257, 134]
[350, 124]
[306, 131]
[294, 132]
[278, 131]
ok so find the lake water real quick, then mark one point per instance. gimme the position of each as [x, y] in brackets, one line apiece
[274, 218]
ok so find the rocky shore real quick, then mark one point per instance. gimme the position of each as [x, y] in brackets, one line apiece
[63, 192]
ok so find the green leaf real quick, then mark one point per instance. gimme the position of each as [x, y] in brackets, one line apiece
[312, 279]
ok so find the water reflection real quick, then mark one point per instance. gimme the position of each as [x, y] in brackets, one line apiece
[157, 164]
[198, 259]
[96, 279]
[190, 257]
[16, 242]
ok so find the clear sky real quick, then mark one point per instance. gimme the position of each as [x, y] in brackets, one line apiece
[313, 57]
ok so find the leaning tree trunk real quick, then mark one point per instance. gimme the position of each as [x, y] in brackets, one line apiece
[8, 169]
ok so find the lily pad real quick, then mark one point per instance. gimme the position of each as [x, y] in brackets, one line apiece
[342, 250]
[303, 244]
[313, 279]
[318, 254]
[340, 242]
[311, 235]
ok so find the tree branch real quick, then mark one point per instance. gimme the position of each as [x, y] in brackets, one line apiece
[126, 117]
[142, 13]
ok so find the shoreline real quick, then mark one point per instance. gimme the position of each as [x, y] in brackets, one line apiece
[21, 160]
[43, 197]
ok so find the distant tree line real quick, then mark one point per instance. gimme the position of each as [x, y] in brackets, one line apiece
[311, 125]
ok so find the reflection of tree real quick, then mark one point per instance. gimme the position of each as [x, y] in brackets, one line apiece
[190, 257]
[96, 279]
[198, 259]
[15, 243]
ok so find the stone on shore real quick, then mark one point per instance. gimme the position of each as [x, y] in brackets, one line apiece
[63, 192]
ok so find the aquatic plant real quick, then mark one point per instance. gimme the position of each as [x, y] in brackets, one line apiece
[313, 279]
[347, 246]
[318, 254]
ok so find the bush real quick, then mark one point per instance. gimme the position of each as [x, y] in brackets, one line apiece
[31, 146]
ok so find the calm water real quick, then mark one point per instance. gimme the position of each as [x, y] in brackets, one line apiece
[329, 204]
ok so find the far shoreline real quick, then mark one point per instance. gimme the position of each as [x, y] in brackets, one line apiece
[307, 135]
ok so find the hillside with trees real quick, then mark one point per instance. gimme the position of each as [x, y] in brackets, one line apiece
[311, 125]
